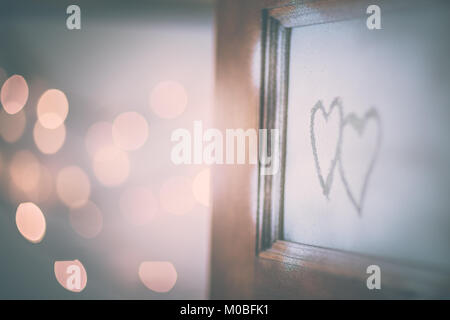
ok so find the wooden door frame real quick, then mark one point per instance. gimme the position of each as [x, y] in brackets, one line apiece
[249, 258]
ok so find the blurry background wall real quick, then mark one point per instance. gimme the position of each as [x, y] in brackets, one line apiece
[129, 56]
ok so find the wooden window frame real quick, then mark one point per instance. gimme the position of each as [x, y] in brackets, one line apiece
[400, 279]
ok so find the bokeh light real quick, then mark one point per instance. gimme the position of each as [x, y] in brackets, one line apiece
[73, 186]
[98, 136]
[30, 222]
[110, 118]
[52, 108]
[176, 195]
[168, 99]
[14, 94]
[111, 166]
[71, 275]
[158, 276]
[138, 205]
[201, 186]
[129, 130]
[24, 170]
[12, 126]
[49, 141]
[40, 194]
[87, 220]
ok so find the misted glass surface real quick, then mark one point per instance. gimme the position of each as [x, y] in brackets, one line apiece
[368, 151]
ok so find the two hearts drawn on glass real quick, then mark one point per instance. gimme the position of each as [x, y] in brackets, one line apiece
[345, 124]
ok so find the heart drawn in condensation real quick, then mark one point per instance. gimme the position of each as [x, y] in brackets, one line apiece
[326, 178]
[354, 124]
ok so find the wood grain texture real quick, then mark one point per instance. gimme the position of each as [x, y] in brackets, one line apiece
[235, 186]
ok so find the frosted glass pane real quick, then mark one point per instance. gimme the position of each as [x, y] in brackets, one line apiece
[368, 139]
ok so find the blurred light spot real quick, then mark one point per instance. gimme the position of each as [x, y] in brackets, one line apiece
[201, 186]
[44, 189]
[256, 64]
[138, 205]
[14, 94]
[25, 170]
[49, 141]
[159, 276]
[129, 130]
[31, 222]
[168, 99]
[87, 220]
[52, 108]
[176, 195]
[71, 275]
[12, 126]
[111, 166]
[73, 187]
[98, 136]
[40, 194]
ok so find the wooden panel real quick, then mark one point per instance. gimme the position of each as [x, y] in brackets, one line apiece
[248, 258]
[234, 189]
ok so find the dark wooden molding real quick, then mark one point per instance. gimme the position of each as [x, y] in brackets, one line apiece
[399, 279]
[273, 114]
